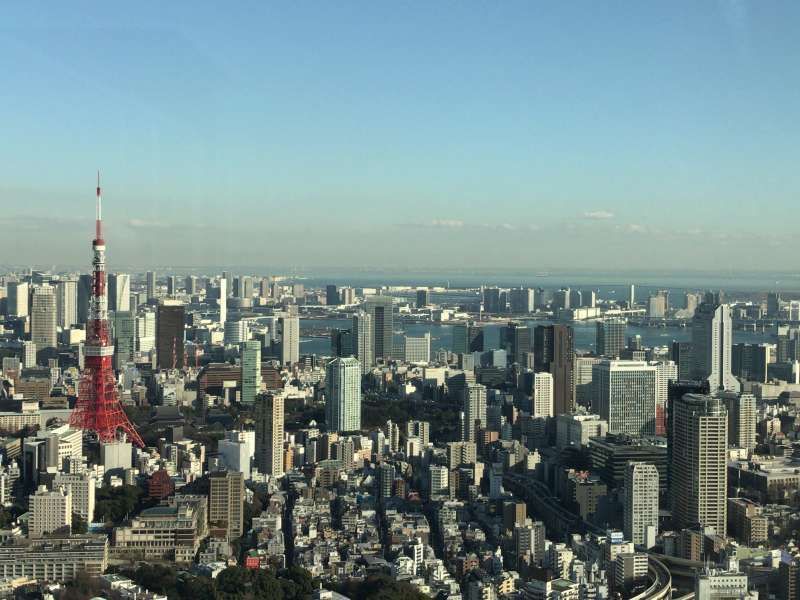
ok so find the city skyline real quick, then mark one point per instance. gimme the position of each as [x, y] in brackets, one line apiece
[586, 137]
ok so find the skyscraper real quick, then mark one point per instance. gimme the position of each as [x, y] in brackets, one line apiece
[226, 502]
[150, 284]
[289, 327]
[516, 341]
[331, 295]
[169, 334]
[380, 308]
[542, 394]
[251, 371]
[423, 298]
[172, 285]
[742, 419]
[474, 409]
[363, 339]
[641, 503]
[491, 300]
[66, 303]
[522, 300]
[698, 470]
[666, 372]
[269, 434]
[343, 394]
[43, 317]
[191, 285]
[625, 396]
[610, 337]
[119, 292]
[124, 338]
[417, 349]
[222, 301]
[712, 340]
[18, 292]
[84, 295]
[554, 352]
[467, 338]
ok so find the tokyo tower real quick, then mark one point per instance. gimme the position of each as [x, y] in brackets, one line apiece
[98, 408]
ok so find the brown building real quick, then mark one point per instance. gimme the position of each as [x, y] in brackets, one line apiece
[746, 522]
[226, 502]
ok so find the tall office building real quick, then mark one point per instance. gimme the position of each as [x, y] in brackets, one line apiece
[381, 308]
[28, 354]
[124, 338]
[742, 419]
[84, 293]
[50, 511]
[641, 503]
[251, 371]
[191, 285]
[681, 353]
[625, 395]
[423, 298]
[522, 300]
[467, 338]
[491, 300]
[150, 285]
[516, 341]
[146, 331]
[698, 469]
[712, 340]
[66, 303]
[235, 332]
[226, 502]
[666, 372]
[542, 395]
[119, 292]
[750, 361]
[343, 394]
[169, 334]
[474, 412]
[17, 298]
[417, 349]
[363, 339]
[632, 295]
[222, 301]
[43, 317]
[332, 295]
[610, 337]
[584, 391]
[289, 326]
[269, 434]
[554, 352]
[172, 285]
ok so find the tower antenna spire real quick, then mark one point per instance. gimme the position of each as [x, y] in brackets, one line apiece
[99, 211]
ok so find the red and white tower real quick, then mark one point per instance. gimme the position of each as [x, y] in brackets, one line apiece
[98, 408]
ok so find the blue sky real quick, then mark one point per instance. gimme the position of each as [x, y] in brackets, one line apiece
[532, 135]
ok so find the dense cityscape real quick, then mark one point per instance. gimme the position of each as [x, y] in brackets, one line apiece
[165, 436]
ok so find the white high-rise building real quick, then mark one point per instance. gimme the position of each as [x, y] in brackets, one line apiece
[699, 471]
[49, 511]
[146, 331]
[641, 503]
[742, 419]
[251, 371]
[439, 481]
[290, 339]
[43, 317]
[18, 293]
[223, 301]
[417, 348]
[583, 379]
[363, 340]
[343, 394]
[712, 344]
[236, 332]
[666, 371]
[119, 292]
[625, 394]
[269, 434]
[542, 401]
[474, 411]
[66, 303]
[28, 354]
[82, 487]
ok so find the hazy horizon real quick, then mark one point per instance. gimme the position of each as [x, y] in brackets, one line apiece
[515, 135]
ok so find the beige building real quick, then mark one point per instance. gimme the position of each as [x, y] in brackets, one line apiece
[50, 511]
[699, 483]
[82, 487]
[226, 502]
[171, 531]
[269, 434]
[54, 559]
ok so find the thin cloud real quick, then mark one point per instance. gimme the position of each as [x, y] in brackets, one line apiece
[598, 215]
